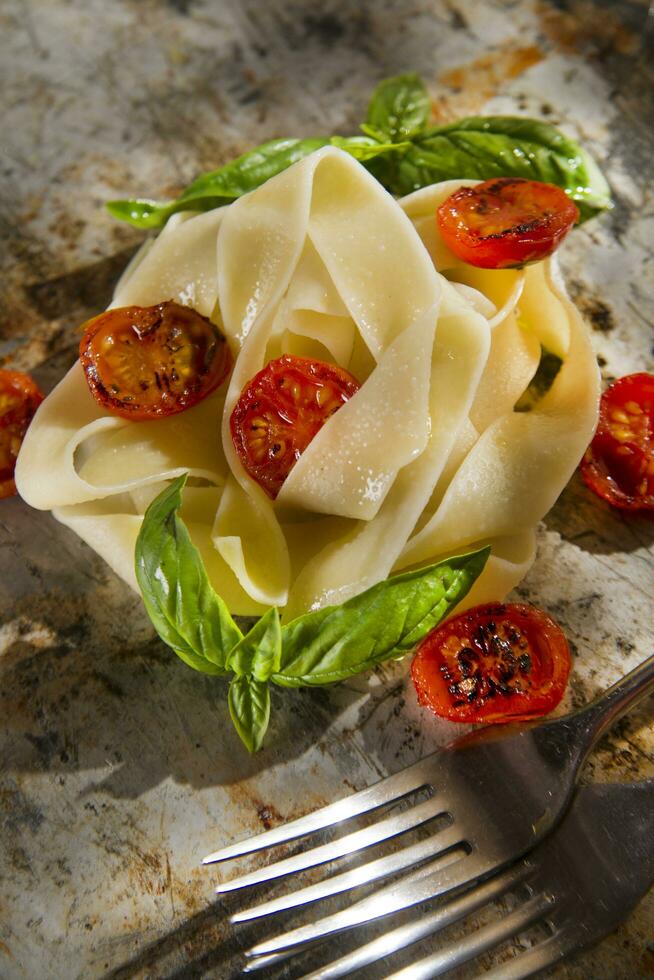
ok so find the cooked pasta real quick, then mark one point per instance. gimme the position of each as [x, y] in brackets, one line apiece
[427, 459]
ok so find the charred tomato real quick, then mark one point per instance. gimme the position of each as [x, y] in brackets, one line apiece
[147, 362]
[619, 463]
[493, 663]
[281, 410]
[19, 400]
[506, 222]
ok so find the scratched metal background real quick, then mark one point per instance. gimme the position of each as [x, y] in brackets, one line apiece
[119, 768]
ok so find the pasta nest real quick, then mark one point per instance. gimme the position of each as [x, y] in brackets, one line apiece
[429, 458]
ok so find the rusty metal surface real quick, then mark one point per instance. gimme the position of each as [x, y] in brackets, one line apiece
[118, 767]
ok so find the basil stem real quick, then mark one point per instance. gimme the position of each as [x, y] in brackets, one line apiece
[384, 622]
[403, 155]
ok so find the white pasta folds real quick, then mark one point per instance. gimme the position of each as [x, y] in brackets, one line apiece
[429, 458]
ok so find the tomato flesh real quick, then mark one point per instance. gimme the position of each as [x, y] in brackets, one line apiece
[506, 222]
[281, 410]
[494, 663]
[619, 463]
[147, 362]
[19, 400]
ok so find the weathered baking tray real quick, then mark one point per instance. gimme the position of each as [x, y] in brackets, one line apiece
[118, 767]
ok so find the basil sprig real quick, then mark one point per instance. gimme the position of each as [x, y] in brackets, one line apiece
[399, 109]
[482, 147]
[321, 647]
[249, 708]
[186, 612]
[224, 185]
[383, 623]
[401, 150]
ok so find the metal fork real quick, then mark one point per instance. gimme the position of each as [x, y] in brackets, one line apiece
[504, 791]
[580, 883]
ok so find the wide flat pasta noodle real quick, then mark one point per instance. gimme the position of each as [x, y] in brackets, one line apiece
[112, 533]
[180, 265]
[54, 470]
[517, 468]
[369, 552]
[512, 363]
[350, 465]
[330, 212]
[313, 310]
[502, 287]
[428, 459]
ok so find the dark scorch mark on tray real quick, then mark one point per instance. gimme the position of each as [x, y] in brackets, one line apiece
[181, 6]
[599, 314]
[327, 28]
[88, 289]
[20, 813]
[47, 746]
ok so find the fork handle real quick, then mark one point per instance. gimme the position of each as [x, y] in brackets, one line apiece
[599, 716]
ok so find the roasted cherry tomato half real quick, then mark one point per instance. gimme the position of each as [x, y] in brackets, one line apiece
[506, 222]
[19, 399]
[619, 463]
[280, 411]
[147, 362]
[493, 663]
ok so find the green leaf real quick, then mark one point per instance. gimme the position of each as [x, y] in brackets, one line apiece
[259, 652]
[399, 109]
[364, 148]
[252, 169]
[144, 213]
[397, 150]
[318, 648]
[184, 609]
[249, 706]
[548, 367]
[220, 186]
[384, 622]
[503, 146]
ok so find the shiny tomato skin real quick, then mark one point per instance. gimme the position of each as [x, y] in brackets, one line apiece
[281, 410]
[19, 399]
[494, 663]
[506, 222]
[619, 463]
[148, 362]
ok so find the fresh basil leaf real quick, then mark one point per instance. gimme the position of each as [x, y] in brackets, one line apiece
[220, 186]
[399, 109]
[144, 213]
[364, 148]
[548, 367]
[482, 147]
[259, 652]
[185, 611]
[398, 152]
[249, 706]
[244, 174]
[384, 622]
[252, 169]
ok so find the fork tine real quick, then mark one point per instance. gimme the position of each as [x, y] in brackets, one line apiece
[274, 959]
[385, 791]
[539, 957]
[384, 829]
[435, 844]
[263, 962]
[410, 890]
[462, 950]
[405, 935]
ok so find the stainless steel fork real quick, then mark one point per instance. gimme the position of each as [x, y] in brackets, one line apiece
[580, 883]
[504, 791]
